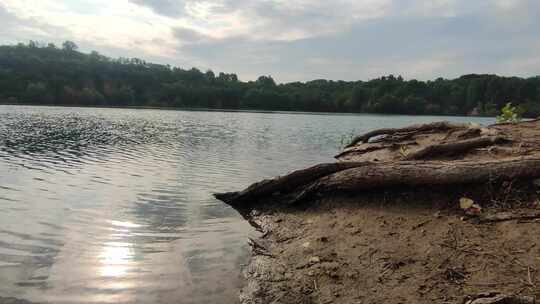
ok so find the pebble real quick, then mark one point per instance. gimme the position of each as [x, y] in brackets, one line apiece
[315, 260]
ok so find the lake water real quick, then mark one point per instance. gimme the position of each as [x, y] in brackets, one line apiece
[115, 205]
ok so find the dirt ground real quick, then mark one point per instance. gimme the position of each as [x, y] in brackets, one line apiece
[409, 247]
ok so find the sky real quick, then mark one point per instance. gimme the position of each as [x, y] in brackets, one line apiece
[295, 40]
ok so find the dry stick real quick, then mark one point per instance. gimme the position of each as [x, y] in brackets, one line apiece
[529, 276]
[455, 147]
[503, 299]
[417, 173]
[444, 125]
[508, 216]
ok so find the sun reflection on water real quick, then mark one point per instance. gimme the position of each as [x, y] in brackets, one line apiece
[115, 259]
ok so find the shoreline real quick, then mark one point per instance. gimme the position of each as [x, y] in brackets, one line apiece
[236, 110]
[350, 232]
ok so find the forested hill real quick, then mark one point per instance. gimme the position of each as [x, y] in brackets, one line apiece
[36, 74]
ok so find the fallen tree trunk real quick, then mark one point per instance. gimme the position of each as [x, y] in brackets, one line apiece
[285, 183]
[415, 173]
[440, 126]
[455, 147]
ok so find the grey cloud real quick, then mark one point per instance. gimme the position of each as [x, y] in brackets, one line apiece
[189, 36]
[169, 8]
[269, 19]
[419, 47]
[15, 28]
[478, 37]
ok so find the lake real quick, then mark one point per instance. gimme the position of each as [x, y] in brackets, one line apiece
[115, 205]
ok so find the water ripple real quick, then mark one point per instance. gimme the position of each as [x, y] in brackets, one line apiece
[115, 205]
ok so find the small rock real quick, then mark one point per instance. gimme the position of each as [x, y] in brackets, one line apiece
[469, 206]
[315, 260]
[465, 203]
[437, 214]
[356, 231]
[306, 245]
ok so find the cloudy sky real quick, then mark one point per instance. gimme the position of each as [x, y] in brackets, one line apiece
[295, 39]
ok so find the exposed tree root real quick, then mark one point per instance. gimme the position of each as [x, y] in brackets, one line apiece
[502, 299]
[415, 173]
[362, 150]
[456, 147]
[356, 177]
[440, 126]
[304, 247]
[285, 183]
[404, 156]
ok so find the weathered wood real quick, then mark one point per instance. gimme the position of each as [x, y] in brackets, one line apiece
[417, 173]
[503, 299]
[455, 147]
[285, 183]
[508, 216]
[362, 150]
[359, 176]
[442, 126]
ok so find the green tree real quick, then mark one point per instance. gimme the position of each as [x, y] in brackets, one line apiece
[69, 46]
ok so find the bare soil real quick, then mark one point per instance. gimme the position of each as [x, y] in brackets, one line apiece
[410, 247]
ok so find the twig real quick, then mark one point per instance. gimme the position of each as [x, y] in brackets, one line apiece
[529, 276]
[508, 216]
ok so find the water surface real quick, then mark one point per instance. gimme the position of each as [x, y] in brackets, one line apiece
[115, 205]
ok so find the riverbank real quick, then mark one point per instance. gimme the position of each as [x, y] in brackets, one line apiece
[378, 227]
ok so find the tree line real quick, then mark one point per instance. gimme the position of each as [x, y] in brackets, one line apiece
[35, 73]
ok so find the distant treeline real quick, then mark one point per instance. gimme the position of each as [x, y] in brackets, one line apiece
[47, 74]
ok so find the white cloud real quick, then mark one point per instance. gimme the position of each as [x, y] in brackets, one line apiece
[293, 39]
[111, 24]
